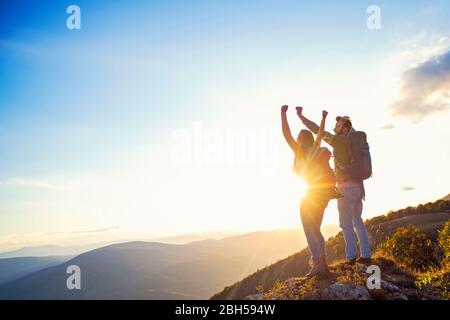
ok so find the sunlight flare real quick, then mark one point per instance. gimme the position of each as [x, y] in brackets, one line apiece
[299, 185]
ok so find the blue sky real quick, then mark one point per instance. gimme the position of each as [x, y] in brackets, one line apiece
[103, 101]
[56, 80]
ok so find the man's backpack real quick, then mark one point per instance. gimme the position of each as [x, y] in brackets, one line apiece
[360, 166]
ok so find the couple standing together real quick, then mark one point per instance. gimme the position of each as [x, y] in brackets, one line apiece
[352, 165]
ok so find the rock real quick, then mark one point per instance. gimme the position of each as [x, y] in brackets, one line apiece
[360, 293]
[257, 296]
[345, 292]
[401, 296]
[389, 286]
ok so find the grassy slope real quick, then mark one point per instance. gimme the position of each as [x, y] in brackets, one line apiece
[297, 265]
[396, 284]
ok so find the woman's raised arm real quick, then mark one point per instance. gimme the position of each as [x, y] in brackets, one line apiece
[321, 132]
[287, 131]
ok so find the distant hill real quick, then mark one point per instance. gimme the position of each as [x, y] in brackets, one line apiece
[46, 251]
[54, 250]
[197, 236]
[428, 217]
[15, 268]
[446, 198]
[151, 270]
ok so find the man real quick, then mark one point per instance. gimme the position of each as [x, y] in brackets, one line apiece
[350, 205]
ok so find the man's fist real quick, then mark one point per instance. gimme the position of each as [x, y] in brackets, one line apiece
[299, 111]
[324, 114]
[284, 108]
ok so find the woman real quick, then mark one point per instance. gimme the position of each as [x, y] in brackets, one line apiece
[311, 162]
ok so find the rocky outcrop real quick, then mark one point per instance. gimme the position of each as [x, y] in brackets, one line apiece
[349, 282]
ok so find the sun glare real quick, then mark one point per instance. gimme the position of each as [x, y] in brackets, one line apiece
[299, 186]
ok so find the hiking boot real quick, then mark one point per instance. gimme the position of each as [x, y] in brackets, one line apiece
[324, 263]
[351, 261]
[319, 268]
[315, 270]
[365, 261]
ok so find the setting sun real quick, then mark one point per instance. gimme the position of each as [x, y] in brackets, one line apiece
[299, 186]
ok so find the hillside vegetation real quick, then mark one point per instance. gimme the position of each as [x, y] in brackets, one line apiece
[392, 239]
[410, 265]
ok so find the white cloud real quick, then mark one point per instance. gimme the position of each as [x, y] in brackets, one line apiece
[27, 183]
[425, 89]
[107, 229]
[387, 127]
[419, 76]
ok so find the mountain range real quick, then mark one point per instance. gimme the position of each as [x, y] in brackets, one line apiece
[15, 268]
[48, 251]
[229, 268]
[153, 270]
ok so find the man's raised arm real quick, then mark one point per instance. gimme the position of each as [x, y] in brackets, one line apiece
[326, 136]
[308, 123]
